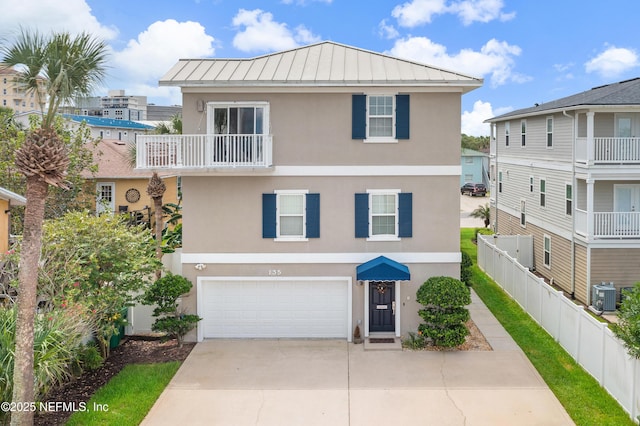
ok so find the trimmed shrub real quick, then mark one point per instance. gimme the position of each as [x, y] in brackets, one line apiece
[164, 293]
[444, 313]
[465, 269]
[628, 326]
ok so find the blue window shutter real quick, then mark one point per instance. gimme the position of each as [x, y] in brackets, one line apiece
[405, 219]
[359, 117]
[402, 116]
[268, 215]
[362, 215]
[313, 216]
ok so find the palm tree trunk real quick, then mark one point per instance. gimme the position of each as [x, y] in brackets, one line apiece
[23, 381]
[157, 205]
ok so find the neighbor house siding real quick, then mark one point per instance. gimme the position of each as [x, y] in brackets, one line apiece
[617, 265]
[581, 272]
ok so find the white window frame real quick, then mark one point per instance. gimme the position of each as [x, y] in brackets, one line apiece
[523, 213]
[300, 192]
[543, 193]
[106, 207]
[382, 139]
[531, 183]
[384, 237]
[549, 132]
[568, 200]
[211, 106]
[546, 253]
[523, 133]
[507, 132]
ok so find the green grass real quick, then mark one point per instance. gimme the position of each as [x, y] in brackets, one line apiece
[582, 397]
[127, 398]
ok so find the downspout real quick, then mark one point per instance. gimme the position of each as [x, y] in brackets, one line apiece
[573, 216]
[496, 173]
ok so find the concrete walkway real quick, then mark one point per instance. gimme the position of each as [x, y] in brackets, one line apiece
[330, 382]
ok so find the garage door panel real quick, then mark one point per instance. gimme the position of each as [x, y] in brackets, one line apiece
[273, 309]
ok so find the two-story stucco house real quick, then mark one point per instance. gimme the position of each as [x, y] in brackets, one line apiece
[568, 173]
[320, 189]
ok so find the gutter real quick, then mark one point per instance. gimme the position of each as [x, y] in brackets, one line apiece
[573, 216]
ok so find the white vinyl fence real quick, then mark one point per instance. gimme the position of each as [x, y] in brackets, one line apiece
[587, 340]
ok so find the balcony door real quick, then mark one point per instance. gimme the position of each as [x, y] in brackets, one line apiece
[626, 201]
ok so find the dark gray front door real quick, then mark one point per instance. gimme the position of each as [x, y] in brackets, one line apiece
[382, 316]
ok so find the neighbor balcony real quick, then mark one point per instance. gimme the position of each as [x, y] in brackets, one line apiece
[200, 152]
[608, 225]
[607, 151]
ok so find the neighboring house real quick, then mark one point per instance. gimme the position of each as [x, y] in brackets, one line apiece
[7, 199]
[121, 189]
[320, 189]
[475, 167]
[568, 173]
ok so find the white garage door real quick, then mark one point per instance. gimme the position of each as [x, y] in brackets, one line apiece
[247, 308]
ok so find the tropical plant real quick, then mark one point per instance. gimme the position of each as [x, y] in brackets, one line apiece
[71, 66]
[484, 213]
[628, 326]
[465, 269]
[173, 127]
[164, 293]
[156, 189]
[444, 312]
[172, 233]
[58, 337]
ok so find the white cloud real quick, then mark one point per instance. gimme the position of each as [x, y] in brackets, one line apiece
[387, 31]
[420, 12]
[495, 58]
[612, 62]
[470, 11]
[46, 16]
[473, 121]
[262, 34]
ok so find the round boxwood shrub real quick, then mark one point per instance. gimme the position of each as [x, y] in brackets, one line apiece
[465, 269]
[444, 313]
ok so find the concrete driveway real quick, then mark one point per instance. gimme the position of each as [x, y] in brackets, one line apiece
[331, 382]
[467, 205]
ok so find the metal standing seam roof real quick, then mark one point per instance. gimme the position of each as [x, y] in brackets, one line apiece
[18, 200]
[326, 63]
[622, 93]
[107, 122]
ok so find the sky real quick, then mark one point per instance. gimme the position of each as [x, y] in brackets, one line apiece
[526, 51]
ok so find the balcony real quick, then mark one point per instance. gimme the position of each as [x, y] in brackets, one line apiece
[608, 225]
[199, 152]
[608, 151]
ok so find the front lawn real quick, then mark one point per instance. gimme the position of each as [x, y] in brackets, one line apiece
[128, 397]
[584, 399]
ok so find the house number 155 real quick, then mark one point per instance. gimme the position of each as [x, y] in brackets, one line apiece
[274, 272]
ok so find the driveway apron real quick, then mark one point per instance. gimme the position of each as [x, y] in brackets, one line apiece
[332, 382]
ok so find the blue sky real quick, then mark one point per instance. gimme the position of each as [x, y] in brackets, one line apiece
[526, 51]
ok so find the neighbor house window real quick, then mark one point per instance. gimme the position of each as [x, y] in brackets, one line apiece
[383, 214]
[547, 251]
[549, 132]
[568, 196]
[380, 118]
[530, 183]
[500, 181]
[507, 130]
[543, 192]
[523, 213]
[291, 215]
[523, 132]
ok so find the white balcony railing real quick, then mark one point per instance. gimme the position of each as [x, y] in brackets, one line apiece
[203, 151]
[608, 150]
[620, 225]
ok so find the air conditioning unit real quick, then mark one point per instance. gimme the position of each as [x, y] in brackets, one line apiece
[603, 297]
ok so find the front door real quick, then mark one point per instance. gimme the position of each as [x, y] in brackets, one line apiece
[105, 200]
[382, 312]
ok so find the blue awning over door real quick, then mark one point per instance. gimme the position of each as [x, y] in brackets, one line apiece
[382, 269]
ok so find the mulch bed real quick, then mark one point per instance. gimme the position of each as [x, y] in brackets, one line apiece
[132, 350]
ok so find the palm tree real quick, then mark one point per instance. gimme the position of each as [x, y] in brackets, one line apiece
[156, 189]
[483, 212]
[68, 66]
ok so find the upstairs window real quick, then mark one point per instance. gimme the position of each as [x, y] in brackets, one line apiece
[291, 215]
[568, 203]
[380, 118]
[507, 130]
[383, 215]
[547, 251]
[523, 132]
[549, 132]
[543, 192]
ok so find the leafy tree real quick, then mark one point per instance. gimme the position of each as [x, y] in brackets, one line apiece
[71, 67]
[477, 143]
[465, 269]
[444, 313]
[484, 213]
[164, 293]
[628, 326]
